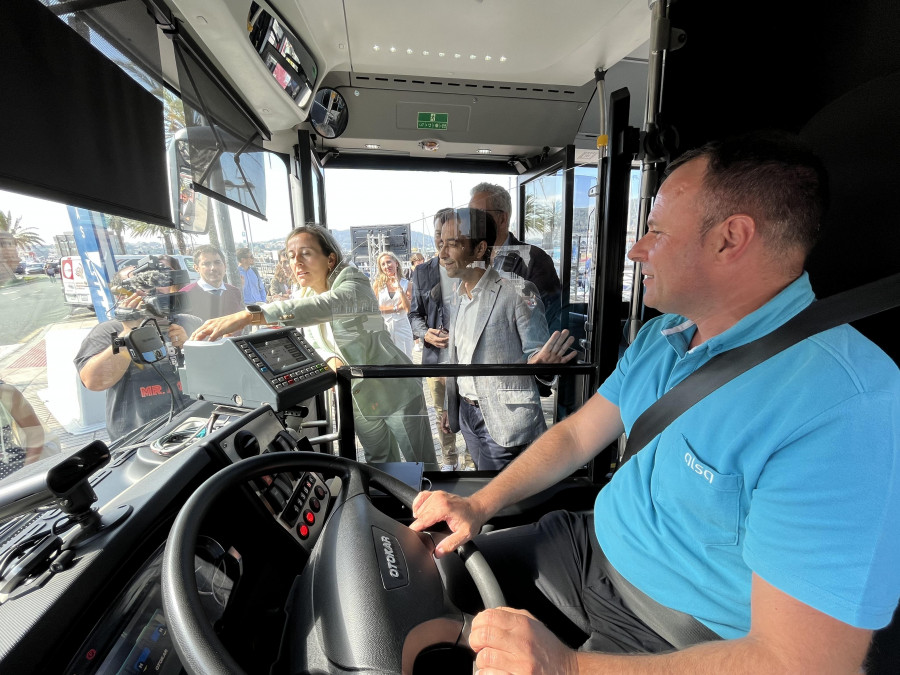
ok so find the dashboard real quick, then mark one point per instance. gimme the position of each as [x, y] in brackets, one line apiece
[95, 594]
[103, 607]
[89, 583]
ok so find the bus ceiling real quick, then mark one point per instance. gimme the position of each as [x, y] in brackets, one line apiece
[493, 83]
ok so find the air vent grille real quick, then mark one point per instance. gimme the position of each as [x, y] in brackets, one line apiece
[481, 87]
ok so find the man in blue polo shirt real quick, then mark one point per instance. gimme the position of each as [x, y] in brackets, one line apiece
[742, 519]
[253, 287]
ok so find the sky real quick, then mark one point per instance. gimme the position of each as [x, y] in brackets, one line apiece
[48, 218]
[361, 197]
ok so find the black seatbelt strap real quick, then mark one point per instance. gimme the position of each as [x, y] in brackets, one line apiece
[677, 628]
[835, 310]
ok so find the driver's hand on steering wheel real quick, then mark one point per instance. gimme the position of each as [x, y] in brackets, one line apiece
[461, 514]
[507, 640]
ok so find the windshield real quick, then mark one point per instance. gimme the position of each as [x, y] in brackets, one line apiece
[65, 300]
[417, 268]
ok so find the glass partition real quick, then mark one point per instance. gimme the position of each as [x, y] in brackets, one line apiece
[544, 219]
[382, 305]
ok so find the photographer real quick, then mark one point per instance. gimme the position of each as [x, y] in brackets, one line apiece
[135, 393]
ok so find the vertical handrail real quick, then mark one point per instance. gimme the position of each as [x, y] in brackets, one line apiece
[660, 30]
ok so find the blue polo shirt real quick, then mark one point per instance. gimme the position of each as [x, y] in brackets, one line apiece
[252, 286]
[789, 471]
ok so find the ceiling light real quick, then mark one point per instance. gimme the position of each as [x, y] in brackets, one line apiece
[483, 151]
[441, 54]
[472, 57]
[373, 146]
[487, 58]
[376, 48]
[409, 51]
[393, 49]
[502, 59]
[456, 56]
[425, 53]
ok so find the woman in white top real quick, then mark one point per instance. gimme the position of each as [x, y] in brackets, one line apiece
[392, 291]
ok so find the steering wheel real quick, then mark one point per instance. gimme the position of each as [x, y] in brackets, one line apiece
[371, 597]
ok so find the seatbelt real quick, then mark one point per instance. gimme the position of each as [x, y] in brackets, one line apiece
[835, 310]
[683, 630]
[679, 629]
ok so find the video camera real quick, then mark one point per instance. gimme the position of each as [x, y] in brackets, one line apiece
[145, 343]
[158, 284]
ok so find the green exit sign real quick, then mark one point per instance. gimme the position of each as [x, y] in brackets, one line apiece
[430, 120]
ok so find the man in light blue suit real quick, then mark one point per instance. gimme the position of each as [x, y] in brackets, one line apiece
[498, 321]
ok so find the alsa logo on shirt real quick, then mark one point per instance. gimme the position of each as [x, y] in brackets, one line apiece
[155, 390]
[698, 468]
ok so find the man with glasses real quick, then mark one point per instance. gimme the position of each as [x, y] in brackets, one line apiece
[252, 285]
[515, 259]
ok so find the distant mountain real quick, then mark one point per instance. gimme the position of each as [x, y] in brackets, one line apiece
[343, 238]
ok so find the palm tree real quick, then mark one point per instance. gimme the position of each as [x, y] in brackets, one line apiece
[543, 216]
[139, 229]
[25, 237]
[118, 225]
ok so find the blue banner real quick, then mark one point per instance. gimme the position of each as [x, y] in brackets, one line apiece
[95, 248]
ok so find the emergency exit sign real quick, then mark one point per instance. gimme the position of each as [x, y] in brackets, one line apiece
[430, 120]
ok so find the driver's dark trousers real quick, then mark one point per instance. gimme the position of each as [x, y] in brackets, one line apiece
[560, 559]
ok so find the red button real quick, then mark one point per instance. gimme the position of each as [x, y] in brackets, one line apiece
[310, 517]
[303, 531]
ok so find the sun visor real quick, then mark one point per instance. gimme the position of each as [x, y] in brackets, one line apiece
[87, 134]
[223, 152]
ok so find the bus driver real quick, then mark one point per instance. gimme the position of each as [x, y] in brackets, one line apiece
[780, 550]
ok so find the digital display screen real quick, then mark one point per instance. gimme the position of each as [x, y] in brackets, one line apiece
[281, 354]
[145, 645]
[134, 637]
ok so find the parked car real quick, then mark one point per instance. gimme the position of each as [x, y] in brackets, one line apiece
[34, 268]
[20, 268]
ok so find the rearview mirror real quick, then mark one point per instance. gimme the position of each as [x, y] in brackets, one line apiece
[191, 209]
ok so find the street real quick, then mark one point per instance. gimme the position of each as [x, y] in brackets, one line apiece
[27, 307]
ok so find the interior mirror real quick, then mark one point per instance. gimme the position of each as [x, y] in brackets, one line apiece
[191, 208]
[329, 114]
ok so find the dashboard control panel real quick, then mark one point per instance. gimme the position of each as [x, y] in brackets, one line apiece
[273, 366]
[299, 504]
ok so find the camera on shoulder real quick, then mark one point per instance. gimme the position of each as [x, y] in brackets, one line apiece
[158, 284]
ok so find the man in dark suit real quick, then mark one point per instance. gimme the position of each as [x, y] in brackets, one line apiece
[210, 297]
[431, 318]
[515, 259]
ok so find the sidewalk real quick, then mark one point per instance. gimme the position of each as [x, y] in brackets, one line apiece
[24, 365]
